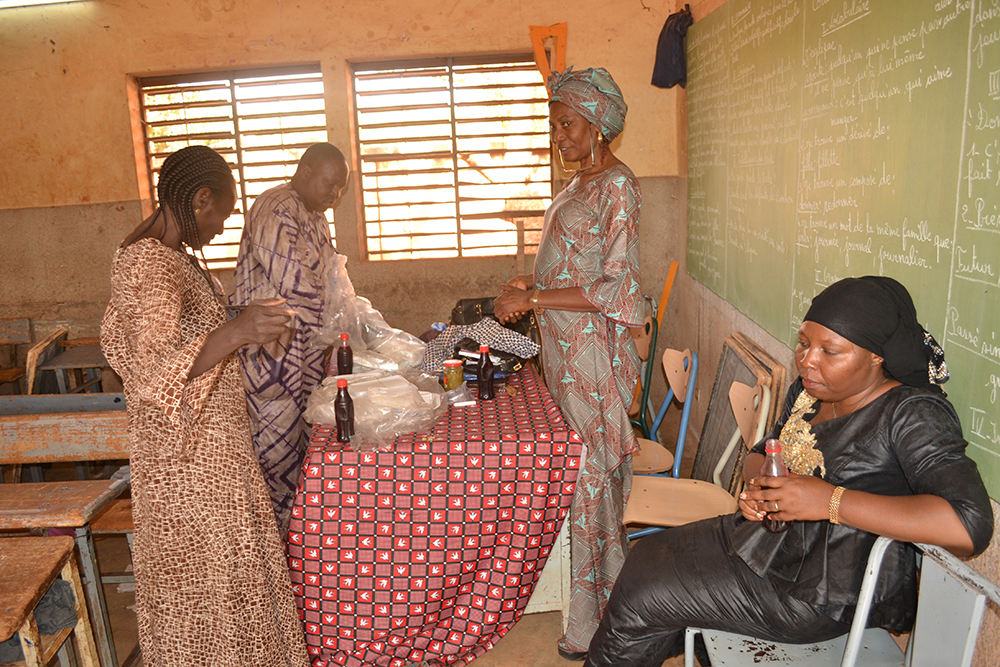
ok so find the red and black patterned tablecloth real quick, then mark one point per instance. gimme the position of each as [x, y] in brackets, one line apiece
[429, 552]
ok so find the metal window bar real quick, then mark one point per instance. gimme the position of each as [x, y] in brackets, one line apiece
[260, 120]
[455, 156]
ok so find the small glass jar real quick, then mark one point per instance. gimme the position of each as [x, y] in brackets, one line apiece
[454, 374]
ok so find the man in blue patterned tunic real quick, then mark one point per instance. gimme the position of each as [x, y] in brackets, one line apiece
[284, 252]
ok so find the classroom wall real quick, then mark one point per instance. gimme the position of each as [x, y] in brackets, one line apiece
[69, 187]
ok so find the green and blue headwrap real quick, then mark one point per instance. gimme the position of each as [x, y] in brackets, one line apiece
[593, 94]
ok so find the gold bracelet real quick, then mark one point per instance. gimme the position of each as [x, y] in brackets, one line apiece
[534, 302]
[835, 504]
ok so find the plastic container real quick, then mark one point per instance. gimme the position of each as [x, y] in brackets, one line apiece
[774, 466]
[484, 374]
[345, 356]
[343, 407]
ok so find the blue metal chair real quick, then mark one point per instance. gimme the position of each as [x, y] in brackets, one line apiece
[659, 500]
[681, 369]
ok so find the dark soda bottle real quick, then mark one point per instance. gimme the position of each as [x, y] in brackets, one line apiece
[774, 466]
[484, 374]
[343, 408]
[345, 356]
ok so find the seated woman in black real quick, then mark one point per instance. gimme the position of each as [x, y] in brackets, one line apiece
[874, 448]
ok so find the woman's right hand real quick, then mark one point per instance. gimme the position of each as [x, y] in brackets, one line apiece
[748, 506]
[525, 282]
[264, 321]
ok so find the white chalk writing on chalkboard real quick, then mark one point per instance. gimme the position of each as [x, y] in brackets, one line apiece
[830, 138]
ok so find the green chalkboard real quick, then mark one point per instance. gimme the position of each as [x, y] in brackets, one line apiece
[835, 138]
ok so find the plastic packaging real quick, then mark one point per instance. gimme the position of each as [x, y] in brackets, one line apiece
[484, 374]
[343, 407]
[345, 357]
[345, 312]
[385, 405]
[774, 466]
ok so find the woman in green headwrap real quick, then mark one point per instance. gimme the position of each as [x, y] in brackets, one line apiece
[585, 291]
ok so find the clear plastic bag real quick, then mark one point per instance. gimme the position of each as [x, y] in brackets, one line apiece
[345, 312]
[385, 406]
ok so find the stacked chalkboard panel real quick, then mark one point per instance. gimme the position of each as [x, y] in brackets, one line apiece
[834, 138]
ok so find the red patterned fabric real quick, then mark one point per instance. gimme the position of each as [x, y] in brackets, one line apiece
[429, 552]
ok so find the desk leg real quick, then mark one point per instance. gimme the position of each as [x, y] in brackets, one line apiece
[95, 598]
[62, 377]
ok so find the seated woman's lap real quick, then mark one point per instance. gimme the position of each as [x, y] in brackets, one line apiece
[686, 577]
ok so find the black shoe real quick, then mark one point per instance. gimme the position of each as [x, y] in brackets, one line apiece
[573, 656]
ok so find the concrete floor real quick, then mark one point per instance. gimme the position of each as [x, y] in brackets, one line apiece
[530, 643]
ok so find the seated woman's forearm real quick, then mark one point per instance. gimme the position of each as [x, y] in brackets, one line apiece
[922, 518]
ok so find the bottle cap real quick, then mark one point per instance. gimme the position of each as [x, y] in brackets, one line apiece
[452, 362]
[344, 336]
[341, 383]
[484, 349]
[772, 445]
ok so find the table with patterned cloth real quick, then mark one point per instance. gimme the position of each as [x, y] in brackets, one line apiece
[428, 553]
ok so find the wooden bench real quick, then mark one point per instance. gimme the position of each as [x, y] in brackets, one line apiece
[30, 566]
[60, 428]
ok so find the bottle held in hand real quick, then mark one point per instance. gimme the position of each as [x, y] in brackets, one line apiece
[343, 408]
[484, 374]
[774, 466]
[345, 356]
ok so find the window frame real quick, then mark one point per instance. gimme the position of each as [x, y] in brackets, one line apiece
[526, 222]
[235, 79]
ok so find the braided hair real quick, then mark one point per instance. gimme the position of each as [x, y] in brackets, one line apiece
[182, 175]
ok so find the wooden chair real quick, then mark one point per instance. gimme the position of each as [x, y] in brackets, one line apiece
[30, 566]
[657, 501]
[14, 333]
[950, 606]
[681, 369]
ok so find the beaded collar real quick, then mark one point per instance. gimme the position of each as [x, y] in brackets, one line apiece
[797, 440]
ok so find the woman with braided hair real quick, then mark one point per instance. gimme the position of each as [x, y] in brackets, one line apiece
[212, 585]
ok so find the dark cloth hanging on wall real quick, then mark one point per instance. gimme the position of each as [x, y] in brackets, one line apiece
[671, 66]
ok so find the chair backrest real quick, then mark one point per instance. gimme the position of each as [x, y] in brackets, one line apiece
[42, 352]
[949, 610]
[645, 340]
[751, 406]
[681, 369]
[950, 606]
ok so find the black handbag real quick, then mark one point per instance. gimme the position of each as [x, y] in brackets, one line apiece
[470, 311]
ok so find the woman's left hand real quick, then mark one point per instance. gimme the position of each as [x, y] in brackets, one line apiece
[792, 498]
[512, 304]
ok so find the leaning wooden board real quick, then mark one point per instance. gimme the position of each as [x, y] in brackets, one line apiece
[42, 429]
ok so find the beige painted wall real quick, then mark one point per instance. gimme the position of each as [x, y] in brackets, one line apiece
[65, 68]
[69, 188]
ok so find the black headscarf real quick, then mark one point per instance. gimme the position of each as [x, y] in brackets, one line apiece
[877, 313]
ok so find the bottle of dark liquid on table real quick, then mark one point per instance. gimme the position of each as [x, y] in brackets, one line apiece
[343, 409]
[484, 374]
[345, 356]
[774, 466]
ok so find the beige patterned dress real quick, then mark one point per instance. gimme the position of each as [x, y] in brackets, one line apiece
[212, 584]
